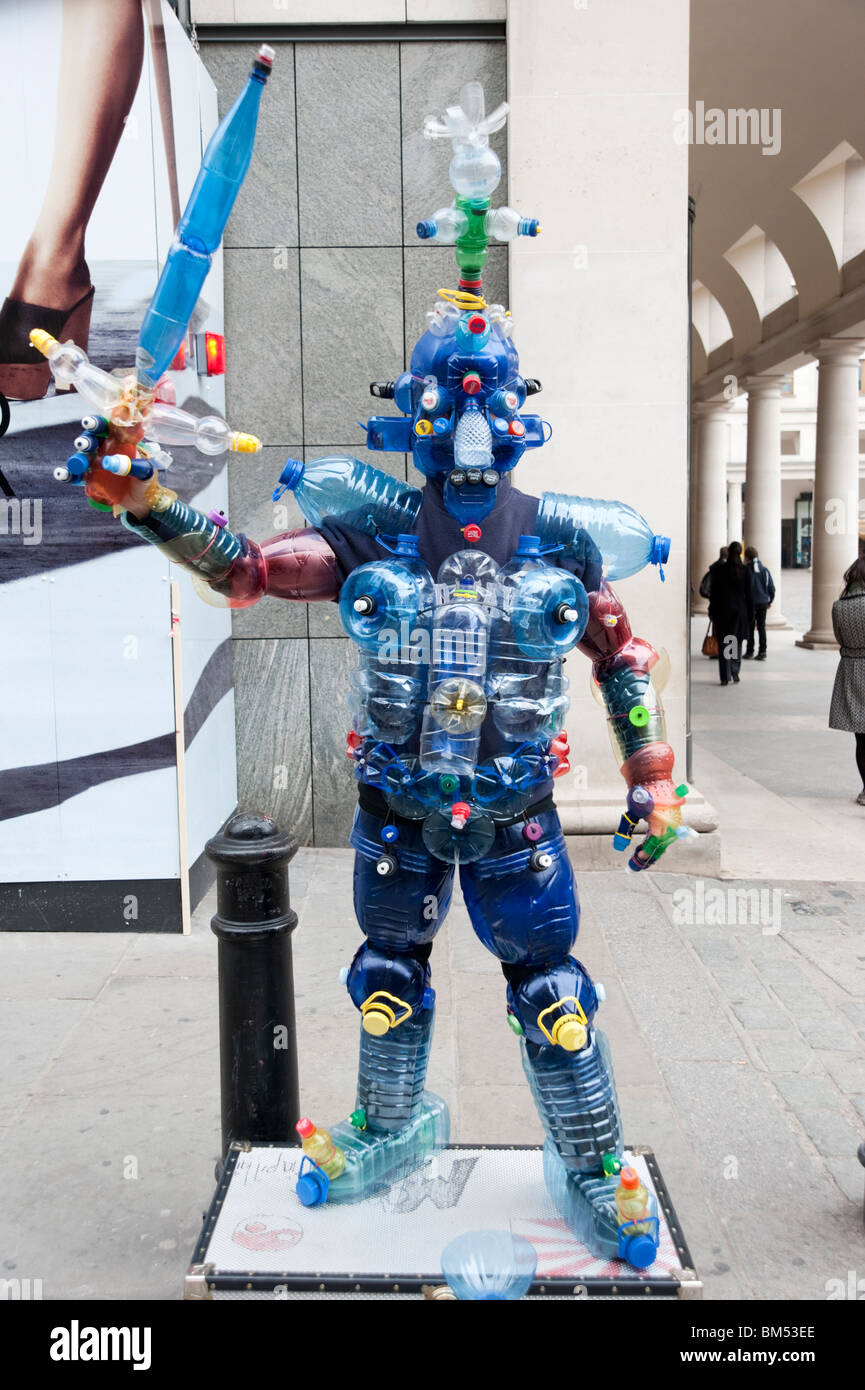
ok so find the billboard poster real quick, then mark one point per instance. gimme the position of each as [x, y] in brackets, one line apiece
[117, 756]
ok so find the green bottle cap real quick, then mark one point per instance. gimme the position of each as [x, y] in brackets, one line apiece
[611, 1164]
[357, 1119]
[639, 716]
[449, 783]
[682, 789]
[100, 506]
[515, 1025]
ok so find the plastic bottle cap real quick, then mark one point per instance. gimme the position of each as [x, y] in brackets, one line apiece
[423, 427]
[310, 1189]
[291, 474]
[472, 532]
[441, 425]
[517, 427]
[305, 1127]
[640, 1251]
[471, 383]
[570, 1034]
[515, 1025]
[376, 1023]
[639, 716]
[682, 789]
[477, 324]
[630, 1179]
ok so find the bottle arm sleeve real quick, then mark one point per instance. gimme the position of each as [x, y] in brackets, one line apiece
[622, 667]
[295, 565]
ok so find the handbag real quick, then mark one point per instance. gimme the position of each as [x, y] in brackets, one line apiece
[710, 643]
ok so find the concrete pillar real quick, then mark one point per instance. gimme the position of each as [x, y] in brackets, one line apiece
[591, 155]
[763, 480]
[834, 544]
[712, 451]
[734, 512]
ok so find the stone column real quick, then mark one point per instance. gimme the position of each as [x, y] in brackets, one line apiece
[711, 454]
[835, 530]
[763, 480]
[734, 511]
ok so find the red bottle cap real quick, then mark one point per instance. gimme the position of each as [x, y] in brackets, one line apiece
[472, 532]
[461, 809]
[629, 1178]
[477, 324]
[471, 383]
[305, 1127]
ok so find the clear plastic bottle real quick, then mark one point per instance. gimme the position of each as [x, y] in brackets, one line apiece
[70, 366]
[589, 1205]
[505, 224]
[352, 491]
[210, 434]
[445, 227]
[624, 538]
[457, 704]
[473, 442]
[318, 1146]
[632, 1199]
[376, 1158]
[200, 229]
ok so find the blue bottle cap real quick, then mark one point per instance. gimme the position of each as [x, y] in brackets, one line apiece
[499, 425]
[660, 550]
[640, 1251]
[291, 474]
[77, 464]
[407, 544]
[429, 997]
[389, 833]
[529, 545]
[426, 229]
[309, 1189]
[441, 425]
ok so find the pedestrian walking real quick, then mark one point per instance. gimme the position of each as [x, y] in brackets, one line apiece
[760, 597]
[847, 711]
[728, 610]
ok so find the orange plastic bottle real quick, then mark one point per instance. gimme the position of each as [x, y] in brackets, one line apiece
[318, 1145]
[632, 1199]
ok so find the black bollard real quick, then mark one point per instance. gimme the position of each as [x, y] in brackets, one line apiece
[257, 1037]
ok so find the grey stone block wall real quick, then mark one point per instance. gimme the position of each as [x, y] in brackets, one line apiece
[326, 287]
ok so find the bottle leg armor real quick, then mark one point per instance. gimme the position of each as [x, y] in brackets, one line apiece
[389, 981]
[525, 910]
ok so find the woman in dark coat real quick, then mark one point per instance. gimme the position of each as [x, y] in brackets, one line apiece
[728, 610]
[848, 696]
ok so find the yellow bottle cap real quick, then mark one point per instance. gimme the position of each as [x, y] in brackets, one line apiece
[423, 427]
[569, 1033]
[375, 1021]
[245, 444]
[42, 341]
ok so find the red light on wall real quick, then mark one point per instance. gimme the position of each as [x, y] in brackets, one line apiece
[209, 354]
[214, 350]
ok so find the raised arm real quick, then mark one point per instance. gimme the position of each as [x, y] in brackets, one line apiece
[622, 666]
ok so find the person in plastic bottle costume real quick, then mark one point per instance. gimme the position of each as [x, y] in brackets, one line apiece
[463, 598]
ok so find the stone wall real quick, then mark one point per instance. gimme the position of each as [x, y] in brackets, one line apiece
[326, 286]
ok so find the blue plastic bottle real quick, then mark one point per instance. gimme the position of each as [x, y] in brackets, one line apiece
[200, 229]
[375, 1159]
[623, 537]
[541, 615]
[489, 1266]
[386, 606]
[352, 491]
